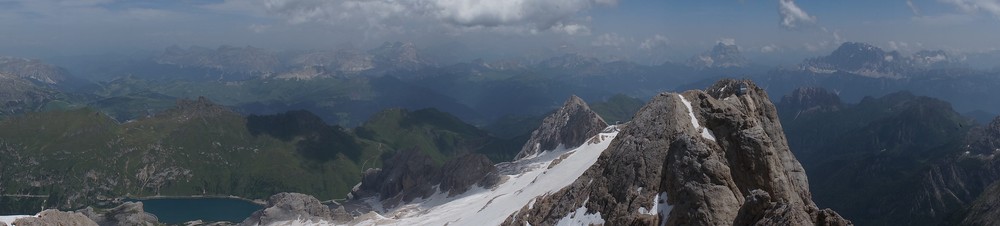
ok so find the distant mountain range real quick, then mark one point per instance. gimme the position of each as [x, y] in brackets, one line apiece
[721, 56]
[895, 159]
[867, 60]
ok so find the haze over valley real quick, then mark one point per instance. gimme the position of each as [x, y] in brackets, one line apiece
[433, 112]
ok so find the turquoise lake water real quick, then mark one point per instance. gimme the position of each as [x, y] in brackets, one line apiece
[180, 210]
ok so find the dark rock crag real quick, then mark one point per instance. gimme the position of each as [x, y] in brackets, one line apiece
[290, 207]
[809, 100]
[572, 124]
[128, 213]
[412, 174]
[729, 166]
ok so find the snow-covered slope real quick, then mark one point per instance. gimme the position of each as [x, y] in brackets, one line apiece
[525, 180]
[529, 178]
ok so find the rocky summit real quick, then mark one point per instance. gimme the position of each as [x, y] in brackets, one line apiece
[714, 157]
[572, 124]
[128, 213]
[285, 207]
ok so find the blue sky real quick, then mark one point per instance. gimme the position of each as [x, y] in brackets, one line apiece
[652, 30]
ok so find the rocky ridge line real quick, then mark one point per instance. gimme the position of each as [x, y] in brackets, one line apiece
[572, 124]
[730, 165]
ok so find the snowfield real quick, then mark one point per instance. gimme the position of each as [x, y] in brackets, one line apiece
[526, 179]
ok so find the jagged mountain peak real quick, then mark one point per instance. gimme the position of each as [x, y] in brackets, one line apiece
[693, 158]
[806, 100]
[34, 70]
[722, 55]
[569, 126]
[197, 108]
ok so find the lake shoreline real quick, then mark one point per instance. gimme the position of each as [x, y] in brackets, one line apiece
[259, 202]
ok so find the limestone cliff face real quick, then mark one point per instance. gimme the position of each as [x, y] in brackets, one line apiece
[571, 125]
[695, 158]
[128, 213]
[284, 207]
[55, 217]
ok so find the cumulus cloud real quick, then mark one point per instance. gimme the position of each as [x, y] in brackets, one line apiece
[654, 42]
[793, 17]
[975, 6]
[525, 15]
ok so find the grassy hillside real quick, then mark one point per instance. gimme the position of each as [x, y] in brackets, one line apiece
[618, 108]
[80, 157]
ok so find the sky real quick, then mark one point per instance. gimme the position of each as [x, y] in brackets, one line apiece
[640, 30]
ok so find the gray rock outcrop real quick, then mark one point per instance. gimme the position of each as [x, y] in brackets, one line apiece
[128, 213]
[694, 158]
[809, 100]
[289, 207]
[56, 217]
[405, 176]
[411, 174]
[569, 126]
[460, 174]
[986, 209]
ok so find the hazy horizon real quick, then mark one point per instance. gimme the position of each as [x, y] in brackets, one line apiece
[772, 31]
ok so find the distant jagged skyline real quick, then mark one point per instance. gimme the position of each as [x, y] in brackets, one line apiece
[640, 30]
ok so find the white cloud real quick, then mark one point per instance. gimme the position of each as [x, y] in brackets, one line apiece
[609, 40]
[894, 45]
[258, 28]
[522, 15]
[913, 8]
[571, 29]
[768, 48]
[654, 42]
[793, 17]
[974, 6]
[727, 41]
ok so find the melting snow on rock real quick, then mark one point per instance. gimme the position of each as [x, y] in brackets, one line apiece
[581, 217]
[526, 179]
[705, 132]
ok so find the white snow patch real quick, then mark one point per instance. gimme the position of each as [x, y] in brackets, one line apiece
[581, 217]
[663, 208]
[527, 179]
[9, 219]
[707, 134]
[660, 206]
[369, 219]
[560, 148]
